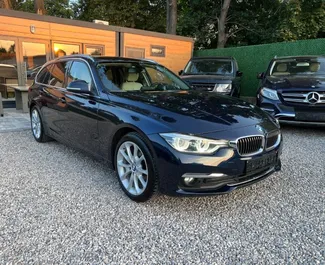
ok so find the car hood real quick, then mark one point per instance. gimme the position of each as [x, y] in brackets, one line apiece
[207, 78]
[295, 82]
[191, 111]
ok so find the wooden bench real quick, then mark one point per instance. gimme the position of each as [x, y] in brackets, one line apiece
[21, 94]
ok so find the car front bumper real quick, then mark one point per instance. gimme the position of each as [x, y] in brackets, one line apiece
[287, 114]
[220, 173]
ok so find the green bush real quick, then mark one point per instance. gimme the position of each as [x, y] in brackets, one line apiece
[255, 59]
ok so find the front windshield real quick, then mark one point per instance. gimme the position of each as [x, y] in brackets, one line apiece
[206, 66]
[138, 76]
[298, 67]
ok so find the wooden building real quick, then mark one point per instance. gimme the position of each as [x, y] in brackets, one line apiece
[28, 40]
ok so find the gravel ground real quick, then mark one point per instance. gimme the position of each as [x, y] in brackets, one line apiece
[59, 206]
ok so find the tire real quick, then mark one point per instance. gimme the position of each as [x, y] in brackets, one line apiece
[135, 168]
[37, 126]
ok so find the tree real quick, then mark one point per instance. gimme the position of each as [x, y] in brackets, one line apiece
[247, 22]
[171, 14]
[305, 19]
[39, 7]
[222, 20]
[5, 4]
[141, 14]
[57, 8]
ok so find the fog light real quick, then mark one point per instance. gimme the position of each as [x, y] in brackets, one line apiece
[189, 181]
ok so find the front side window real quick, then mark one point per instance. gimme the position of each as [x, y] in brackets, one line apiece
[134, 76]
[213, 67]
[300, 67]
[79, 71]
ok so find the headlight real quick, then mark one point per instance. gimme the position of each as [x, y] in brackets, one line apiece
[192, 144]
[269, 93]
[222, 88]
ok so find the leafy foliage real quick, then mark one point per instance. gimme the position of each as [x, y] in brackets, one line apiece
[305, 19]
[57, 8]
[141, 14]
[249, 22]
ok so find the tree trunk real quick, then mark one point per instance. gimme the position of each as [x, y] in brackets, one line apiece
[39, 7]
[222, 36]
[5, 4]
[171, 16]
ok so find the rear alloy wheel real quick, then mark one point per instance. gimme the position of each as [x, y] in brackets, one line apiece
[134, 166]
[37, 126]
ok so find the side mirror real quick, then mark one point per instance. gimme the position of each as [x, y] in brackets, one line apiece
[180, 72]
[260, 76]
[79, 86]
[239, 73]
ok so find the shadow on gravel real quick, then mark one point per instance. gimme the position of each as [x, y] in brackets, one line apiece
[303, 129]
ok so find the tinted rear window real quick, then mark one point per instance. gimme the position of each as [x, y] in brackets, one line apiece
[58, 74]
[44, 75]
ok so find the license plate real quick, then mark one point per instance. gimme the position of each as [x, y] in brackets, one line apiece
[261, 163]
[310, 116]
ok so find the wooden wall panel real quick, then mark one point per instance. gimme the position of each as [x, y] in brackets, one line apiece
[178, 52]
[66, 33]
[18, 27]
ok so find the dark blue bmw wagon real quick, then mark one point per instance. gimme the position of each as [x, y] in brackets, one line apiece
[151, 128]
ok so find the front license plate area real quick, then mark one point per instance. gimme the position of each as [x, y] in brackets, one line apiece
[260, 163]
[310, 116]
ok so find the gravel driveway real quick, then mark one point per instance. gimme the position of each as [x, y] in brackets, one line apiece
[59, 206]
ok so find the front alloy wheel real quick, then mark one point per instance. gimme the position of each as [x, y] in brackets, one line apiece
[135, 168]
[132, 168]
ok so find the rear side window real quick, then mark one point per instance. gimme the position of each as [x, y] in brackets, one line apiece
[79, 71]
[43, 76]
[58, 74]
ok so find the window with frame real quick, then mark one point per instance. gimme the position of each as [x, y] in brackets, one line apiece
[58, 73]
[94, 50]
[44, 75]
[79, 71]
[138, 53]
[158, 51]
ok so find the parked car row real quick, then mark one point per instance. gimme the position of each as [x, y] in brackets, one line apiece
[152, 128]
[292, 89]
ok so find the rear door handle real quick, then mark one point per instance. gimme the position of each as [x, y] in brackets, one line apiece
[63, 100]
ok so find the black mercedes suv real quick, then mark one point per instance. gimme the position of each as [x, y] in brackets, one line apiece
[293, 90]
[152, 128]
[213, 74]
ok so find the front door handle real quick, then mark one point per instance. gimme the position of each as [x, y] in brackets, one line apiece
[63, 100]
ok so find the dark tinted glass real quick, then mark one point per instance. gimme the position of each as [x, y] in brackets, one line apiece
[57, 74]
[217, 67]
[79, 71]
[44, 76]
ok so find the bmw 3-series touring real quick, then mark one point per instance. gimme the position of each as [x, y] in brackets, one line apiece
[151, 128]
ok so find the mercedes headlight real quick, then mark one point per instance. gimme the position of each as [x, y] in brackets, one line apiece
[269, 93]
[192, 144]
[222, 88]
